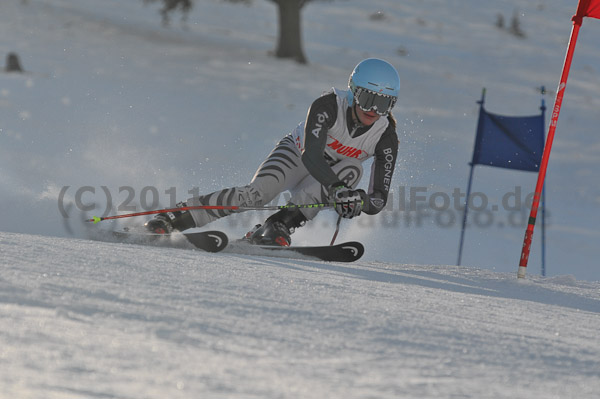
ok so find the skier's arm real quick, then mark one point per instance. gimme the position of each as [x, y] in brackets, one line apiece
[382, 170]
[321, 117]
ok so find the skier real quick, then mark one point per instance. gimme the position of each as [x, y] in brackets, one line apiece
[318, 162]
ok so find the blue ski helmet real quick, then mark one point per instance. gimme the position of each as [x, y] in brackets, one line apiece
[374, 84]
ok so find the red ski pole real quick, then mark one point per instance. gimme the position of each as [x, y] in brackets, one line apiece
[97, 219]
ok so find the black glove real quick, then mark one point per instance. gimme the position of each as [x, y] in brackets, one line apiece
[347, 202]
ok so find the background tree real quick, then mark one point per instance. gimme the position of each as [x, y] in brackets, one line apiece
[289, 39]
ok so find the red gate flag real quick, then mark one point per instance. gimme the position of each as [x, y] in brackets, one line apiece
[585, 8]
[588, 8]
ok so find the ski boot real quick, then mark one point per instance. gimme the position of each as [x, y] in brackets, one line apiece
[277, 229]
[165, 223]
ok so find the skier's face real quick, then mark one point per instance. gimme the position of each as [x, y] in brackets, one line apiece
[367, 118]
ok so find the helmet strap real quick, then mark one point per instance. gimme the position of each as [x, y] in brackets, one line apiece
[355, 115]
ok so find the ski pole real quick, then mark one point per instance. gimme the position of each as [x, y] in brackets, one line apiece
[97, 219]
[337, 230]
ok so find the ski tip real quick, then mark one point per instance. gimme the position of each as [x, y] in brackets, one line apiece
[209, 241]
[354, 250]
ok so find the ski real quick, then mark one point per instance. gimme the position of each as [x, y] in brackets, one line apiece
[344, 252]
[209, 241]
[216, 241]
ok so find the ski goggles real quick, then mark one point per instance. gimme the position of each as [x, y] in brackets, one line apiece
[368, 100]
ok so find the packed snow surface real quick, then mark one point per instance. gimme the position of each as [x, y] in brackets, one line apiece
[84, 319]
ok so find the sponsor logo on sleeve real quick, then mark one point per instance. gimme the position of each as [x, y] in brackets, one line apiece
[378, 203]
[389, 168]
[321, 118]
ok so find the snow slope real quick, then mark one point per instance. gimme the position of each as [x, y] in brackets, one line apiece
[84, 319]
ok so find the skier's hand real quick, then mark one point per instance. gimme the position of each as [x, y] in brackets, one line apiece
[347, 202]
